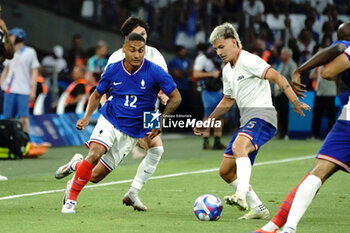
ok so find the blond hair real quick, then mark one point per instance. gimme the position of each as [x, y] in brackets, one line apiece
[225, 31]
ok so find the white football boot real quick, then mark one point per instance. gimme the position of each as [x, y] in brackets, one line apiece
[67, 169]
[68, 188]
[68, 207]
[237, 200]
[260, 214]
[132, 199]
[2, 178]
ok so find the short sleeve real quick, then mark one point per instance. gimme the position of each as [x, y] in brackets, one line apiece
[105, 82]
[227, 87]
[159, 59]
[255, 65]
[35, 63]
[199, 63]
[347, 52]
[165, 81]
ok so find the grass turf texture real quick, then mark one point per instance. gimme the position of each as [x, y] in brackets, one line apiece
[169, 200]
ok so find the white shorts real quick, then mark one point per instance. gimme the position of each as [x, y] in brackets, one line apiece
[117, 144]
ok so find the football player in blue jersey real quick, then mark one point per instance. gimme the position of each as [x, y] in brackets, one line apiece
[135, 83]
[334, 154]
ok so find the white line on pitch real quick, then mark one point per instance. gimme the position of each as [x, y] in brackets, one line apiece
[157, 177]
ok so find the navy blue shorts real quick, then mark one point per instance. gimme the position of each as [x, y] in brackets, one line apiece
[336, 146]
[210, 100]
[16, 105]
[258, 131]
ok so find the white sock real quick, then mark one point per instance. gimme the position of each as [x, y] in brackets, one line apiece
[147, 167]
[233, 184]
[244, 169]
[303, 197]
[270, 226]
[254, 201]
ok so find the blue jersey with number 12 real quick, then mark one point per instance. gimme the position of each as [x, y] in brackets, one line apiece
[132, 94]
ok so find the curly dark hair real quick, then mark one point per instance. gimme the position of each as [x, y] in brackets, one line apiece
[131, 23]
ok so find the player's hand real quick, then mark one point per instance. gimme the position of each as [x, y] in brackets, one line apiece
[163, 98]
[81, 124]
[199, 131]
[154, 133]
[297, 86]
[299, 106]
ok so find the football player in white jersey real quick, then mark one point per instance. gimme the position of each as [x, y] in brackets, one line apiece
[246, 81]
[154, 147]
[334, 154]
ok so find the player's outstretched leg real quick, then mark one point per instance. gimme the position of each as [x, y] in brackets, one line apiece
[145, 170]
[303, 198]
[281, 216]
[68, 168]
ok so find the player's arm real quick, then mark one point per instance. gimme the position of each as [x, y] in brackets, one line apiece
[338, 65]
[298, 106]
[223, 107]
[93, 103]
[322, 57]
[173, 103]
[35, 73]
[3, 74]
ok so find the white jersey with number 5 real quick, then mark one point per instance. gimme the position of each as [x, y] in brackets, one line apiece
[245, 82]
[152, 54]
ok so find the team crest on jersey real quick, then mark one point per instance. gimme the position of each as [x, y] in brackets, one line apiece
[143, 84]
[240, 77]
[151, 120]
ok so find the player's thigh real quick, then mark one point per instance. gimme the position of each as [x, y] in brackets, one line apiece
[323, 169]
[242, 146]
[96, 151]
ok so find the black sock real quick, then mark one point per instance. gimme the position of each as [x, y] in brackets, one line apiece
[205, 140]
[217, 140]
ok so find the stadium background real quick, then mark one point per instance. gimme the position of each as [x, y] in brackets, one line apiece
[30, 200]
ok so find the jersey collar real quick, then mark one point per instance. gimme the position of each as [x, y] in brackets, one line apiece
[126, 71]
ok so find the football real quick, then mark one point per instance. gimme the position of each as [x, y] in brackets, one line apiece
[208, 207]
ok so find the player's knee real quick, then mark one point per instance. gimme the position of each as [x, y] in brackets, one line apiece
[95, 179]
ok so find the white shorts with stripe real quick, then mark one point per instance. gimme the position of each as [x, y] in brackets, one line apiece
[117, 144]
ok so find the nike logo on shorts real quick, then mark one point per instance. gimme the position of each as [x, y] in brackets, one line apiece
[114, 83]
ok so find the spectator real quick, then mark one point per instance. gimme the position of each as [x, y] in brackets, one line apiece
[76, 54]
[306, 45]
[326, 90]
[19, 77]
[96, 64]
[6, 52]
[77, 89]
[41, 87]
[280, 100]
[208, 73]
[255, 10]
[55, 61]
[180, 69]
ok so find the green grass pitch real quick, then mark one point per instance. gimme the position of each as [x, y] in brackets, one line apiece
[169, 199]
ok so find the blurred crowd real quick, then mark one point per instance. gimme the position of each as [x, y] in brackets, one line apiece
[185, 25]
